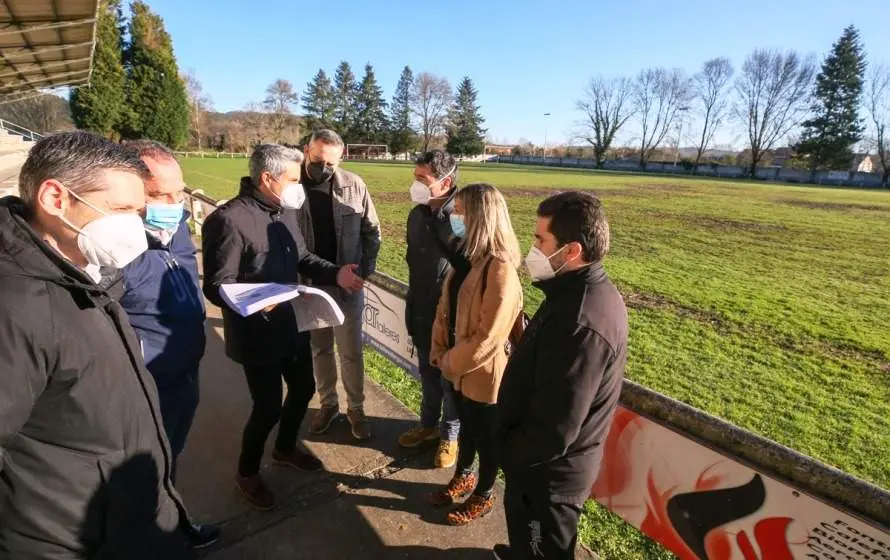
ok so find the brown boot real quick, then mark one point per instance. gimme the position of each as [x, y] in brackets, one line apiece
[474, 508]
[456, 490]
[255, 491]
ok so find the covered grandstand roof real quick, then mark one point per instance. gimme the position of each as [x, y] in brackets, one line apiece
[45, 44]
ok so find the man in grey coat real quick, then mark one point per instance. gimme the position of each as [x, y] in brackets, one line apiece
[339, 223]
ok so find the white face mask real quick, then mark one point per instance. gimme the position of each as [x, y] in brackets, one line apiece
[292, 196]
[538, 264]
[113, 240]
[420, 193]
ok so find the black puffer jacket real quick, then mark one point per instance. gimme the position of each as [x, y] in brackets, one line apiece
[430, 248]
[85, 463]
[250, 240]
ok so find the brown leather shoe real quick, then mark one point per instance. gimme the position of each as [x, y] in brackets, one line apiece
[297, 459]
[474, 508]
[457, 489]
[361, 429]
[323, 419]
[255, 492]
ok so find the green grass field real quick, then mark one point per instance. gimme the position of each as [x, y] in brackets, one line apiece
[766, 305]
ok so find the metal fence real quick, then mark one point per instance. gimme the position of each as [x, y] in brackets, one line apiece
[776, 174]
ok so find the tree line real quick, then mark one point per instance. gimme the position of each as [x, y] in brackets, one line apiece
[135, 88]
[774, 94]
[137, 91]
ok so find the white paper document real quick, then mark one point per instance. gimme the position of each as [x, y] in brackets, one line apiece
[314, 308]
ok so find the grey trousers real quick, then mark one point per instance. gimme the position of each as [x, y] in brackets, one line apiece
[348, 340]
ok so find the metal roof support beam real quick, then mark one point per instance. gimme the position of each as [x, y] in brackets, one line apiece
[37, 67]
[21, 52]
[18, 28]
[45, 79]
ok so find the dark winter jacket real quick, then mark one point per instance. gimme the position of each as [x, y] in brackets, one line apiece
[163, 299]
[84, 460]
[429, 240]
[561, 386]
[356, 226]
[252, 240]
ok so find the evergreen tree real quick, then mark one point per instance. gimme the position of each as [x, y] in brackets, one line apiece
[345, 93]
[99, 107]
[318, 102]
[156, 96]
[466, 137]
[370, 125]
[402, 135]
[829, 136]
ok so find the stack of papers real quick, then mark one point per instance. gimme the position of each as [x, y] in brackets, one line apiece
[314, 308]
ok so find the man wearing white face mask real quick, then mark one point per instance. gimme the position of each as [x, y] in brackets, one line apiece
[84, 459]
[162, 297]
[562, 383]
[431, 249]
[256, 238]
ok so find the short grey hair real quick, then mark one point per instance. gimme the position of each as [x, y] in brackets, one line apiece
[272, 158]
[327, 136]
[78, 160]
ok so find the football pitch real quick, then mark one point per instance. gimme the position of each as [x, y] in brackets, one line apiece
[766, 305]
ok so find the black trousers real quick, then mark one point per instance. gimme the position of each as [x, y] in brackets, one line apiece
[477, 436]
[538, 527]
[264, 382]
[178, 405]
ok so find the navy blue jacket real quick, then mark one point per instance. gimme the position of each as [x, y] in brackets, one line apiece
[162, 296]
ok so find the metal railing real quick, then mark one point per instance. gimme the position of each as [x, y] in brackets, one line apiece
[25, 133]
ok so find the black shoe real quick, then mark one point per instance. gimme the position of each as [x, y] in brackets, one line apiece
[202, 536]
[502, 552]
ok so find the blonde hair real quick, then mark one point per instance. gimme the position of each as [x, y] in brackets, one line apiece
[489, 231]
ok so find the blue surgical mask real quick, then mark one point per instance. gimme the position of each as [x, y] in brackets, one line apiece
[165, 217]
[457, 225]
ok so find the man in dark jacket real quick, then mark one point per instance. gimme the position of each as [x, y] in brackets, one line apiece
[84, 459]
[562, 384]
[162, 297]
[255, 238]
[339, 223]
[429, 239]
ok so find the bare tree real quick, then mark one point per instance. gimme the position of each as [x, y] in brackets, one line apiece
[878, 107]
[710, 87]
[199, 104]
[279, 103]
[256, 123]
[430, 99]
[606, 104]
[659, 94]
[773, 97]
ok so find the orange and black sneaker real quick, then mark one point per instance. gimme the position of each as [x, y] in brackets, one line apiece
[459, 487]
[471, 510]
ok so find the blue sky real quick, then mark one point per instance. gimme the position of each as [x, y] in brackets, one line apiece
[526, 58]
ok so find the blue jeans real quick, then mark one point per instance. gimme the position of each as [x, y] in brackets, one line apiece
[438, 399]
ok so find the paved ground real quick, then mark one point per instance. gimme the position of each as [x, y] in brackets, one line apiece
[371, 501]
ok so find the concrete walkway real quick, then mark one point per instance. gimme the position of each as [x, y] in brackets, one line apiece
[371, 502]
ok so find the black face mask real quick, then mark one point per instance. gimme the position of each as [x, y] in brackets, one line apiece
[319, 172]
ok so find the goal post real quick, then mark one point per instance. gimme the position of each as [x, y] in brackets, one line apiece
[366, 151]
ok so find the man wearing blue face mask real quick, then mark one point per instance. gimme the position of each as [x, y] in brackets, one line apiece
[162, 297]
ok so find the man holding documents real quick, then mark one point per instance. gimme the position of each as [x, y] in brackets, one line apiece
[254, 238]
[340, 224]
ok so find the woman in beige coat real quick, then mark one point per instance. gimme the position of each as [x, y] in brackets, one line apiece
[481, 299]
